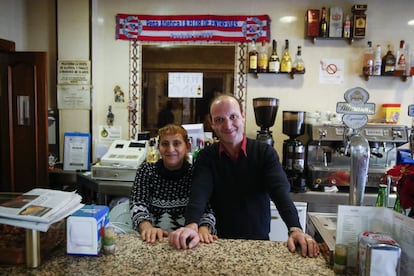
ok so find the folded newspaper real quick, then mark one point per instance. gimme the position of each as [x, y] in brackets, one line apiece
[39, 208]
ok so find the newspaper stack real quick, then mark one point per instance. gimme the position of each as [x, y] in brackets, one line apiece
[38, 208]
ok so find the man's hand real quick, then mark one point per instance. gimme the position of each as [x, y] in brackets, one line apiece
[185, 237]
[205, 235]
[150, 233]
[309, 247]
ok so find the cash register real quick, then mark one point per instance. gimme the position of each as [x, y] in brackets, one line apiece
[121, 161]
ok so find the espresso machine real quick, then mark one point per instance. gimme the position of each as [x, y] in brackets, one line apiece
[265, 110]
[328, 158]
[294, 149]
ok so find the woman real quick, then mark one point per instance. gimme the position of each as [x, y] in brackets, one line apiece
[161, 190]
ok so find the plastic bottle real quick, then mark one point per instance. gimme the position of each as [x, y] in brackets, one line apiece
[377, 61]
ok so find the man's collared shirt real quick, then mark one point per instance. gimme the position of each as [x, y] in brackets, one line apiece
[222, 149]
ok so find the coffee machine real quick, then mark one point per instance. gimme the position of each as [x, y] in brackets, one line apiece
[265, 110]
[328, 154]
[294, 149]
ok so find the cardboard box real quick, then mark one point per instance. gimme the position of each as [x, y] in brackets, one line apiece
[312, 23]
[84, 230]
[336, 18]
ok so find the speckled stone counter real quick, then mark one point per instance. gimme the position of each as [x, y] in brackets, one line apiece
[223, 257]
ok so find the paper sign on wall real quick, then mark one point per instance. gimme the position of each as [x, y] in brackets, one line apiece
[185, 85]
[331, 71]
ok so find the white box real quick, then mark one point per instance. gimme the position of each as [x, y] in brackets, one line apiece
[278, 229]
[335, 22]
[84, 230]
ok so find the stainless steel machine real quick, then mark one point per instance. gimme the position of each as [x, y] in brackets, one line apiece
[328, 159]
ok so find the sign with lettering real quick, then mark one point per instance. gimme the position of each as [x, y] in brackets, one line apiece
[355, 109]
[185, 85]
[74, 72]
[223, 28]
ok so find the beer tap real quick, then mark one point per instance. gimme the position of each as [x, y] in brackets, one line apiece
[356, 110]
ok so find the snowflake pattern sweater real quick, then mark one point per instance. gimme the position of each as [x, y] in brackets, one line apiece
[160, 196]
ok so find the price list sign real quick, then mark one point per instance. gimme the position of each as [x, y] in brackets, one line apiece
[185, 85]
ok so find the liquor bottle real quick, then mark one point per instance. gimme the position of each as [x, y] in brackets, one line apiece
[323, 25]
[401, 60]
[274, 62]
[253, 57]
[263, 60]
[368, 60]
[388, 63]
[153, 155]
[347, 27]
[382, 196]
[286, 63]
[298, 64]
[377, 61]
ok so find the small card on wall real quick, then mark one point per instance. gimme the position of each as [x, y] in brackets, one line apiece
[76, 154]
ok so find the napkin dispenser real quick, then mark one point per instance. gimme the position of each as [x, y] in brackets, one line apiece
[379, 254]
[84, 230]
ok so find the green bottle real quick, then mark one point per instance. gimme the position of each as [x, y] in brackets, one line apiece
[397, 206]
[382, 196]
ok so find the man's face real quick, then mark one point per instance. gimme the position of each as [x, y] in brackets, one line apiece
[227, 120]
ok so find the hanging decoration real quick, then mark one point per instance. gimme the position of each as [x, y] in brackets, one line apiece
[224, 28]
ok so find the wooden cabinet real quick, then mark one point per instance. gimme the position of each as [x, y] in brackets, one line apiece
[23, 121]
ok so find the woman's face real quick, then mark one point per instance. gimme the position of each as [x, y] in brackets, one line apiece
[173, 150]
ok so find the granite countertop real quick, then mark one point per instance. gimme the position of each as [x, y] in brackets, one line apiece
[223, 257]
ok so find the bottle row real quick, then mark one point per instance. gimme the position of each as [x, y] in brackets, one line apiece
[263, 61]
[335, 25]
[399, 63]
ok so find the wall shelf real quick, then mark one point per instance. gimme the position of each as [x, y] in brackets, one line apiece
[350, 40]
[291, 74]
[402, 77]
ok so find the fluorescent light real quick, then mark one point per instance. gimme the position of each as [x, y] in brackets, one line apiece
[288, 19]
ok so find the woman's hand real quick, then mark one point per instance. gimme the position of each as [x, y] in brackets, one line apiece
[205, 235]
[150, 233]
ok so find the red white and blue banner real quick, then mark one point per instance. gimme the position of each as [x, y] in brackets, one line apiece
[224, 28]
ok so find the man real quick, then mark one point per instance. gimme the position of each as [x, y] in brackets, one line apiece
[237, 176]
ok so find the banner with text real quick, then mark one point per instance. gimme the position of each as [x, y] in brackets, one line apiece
[225, 28]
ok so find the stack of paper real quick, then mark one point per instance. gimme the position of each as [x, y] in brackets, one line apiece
[38, 208]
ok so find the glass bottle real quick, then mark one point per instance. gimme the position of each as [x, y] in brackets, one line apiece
[377, 62]
[298, 64]
[286, 63]
[263, 60]
[397, 205]
[153, 155]
[274, 62]
[401, 60]
[382, 196]
[323, 25]
[347, 27]
[388, 63]
[253, 57]
[368, 60]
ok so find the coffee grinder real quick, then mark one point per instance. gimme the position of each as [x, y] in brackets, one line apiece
[265, 110]
[294, 150]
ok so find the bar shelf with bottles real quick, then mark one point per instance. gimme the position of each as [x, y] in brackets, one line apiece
[376, 65]
[260, 62]
[336, 26]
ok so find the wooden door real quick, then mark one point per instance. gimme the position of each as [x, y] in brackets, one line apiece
[23, 121]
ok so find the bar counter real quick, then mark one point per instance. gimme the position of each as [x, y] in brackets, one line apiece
[223, 257]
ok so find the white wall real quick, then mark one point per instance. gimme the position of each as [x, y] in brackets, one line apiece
[305, 92]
